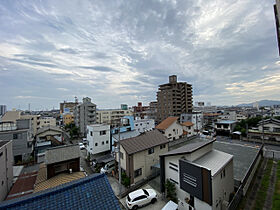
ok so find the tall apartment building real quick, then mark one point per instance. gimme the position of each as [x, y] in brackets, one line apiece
[277, 21]
[173, 99]
[85, 114]
[3, 109]
[6, 168]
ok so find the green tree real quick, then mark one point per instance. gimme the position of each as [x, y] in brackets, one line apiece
[171, 191]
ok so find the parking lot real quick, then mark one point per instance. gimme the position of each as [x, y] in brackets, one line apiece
[156, 206]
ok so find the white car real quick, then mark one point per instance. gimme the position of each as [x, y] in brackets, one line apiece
[82, 146]
[141, 197]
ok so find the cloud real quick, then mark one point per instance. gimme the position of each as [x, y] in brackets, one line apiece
[122, 50]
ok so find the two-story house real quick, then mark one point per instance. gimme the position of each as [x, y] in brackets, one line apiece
[171, 128]
[203, 176]
[139, 156]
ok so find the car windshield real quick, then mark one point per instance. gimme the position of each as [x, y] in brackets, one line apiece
[128, 198]
[146, 192]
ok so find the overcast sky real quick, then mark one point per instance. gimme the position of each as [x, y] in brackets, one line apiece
[120, 51]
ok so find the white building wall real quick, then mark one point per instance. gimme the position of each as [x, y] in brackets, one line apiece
[6, 169]
[181, 194]
[222, 186]
[143, 125]
[97, 141]
[174, 131]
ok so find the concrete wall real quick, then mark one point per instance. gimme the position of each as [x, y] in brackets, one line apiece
[94, 137]
[6, 169]
[222, 186]
[21, 145]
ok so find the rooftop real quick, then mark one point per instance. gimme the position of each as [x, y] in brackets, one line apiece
[144, 141]
[214, 160]
[42, 183]
[166, 123]
[226, 122]
[188, 123]
[92, 192]
[2, 143]
[188, 148]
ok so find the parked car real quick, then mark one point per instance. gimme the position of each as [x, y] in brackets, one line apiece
[107, 168]
[141, 197]
[82, 146]
[170, 206]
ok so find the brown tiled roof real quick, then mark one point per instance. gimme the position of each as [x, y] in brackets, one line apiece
[23, 186]
[188, 123]
[143, 142]
[166, 123]
[211, 114]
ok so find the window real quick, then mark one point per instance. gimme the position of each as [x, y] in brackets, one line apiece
[121, 155]
[266, 128]
[162, 146]
[276, 130]
[224, 172]
[173, 164]
[102, 133]
[1, 153]
[172, 180]
[107, 142]
[151, 151]
[136, 124]
[140, 198]
[15, 136]
[102, 142]
[175, 169]
[91, 133]
[96, 144]
[138, 172]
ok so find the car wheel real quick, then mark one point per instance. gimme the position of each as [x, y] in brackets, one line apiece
[153, 200]
[135, 207]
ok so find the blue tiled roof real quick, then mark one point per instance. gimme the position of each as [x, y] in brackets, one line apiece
[92, 192]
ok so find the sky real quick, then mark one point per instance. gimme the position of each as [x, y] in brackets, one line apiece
[120, 51]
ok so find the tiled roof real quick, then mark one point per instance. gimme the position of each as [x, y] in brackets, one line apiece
[92, 192]
[166, 123]
[144, 141]
[188, 123]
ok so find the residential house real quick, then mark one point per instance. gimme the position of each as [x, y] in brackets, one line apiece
[196, 118]
[139, 156]
[98, 139]
[21, 133]
[6, 168]
[203, 176]
[225, 127]
[11, 116]
[171, 128]
[269, 129]
[188, 129]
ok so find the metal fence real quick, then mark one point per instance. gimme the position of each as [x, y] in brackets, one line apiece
[236, 199]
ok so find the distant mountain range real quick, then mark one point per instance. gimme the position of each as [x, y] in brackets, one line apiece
[263, 103]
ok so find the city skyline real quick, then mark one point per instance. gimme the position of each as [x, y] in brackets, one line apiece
[120, 52]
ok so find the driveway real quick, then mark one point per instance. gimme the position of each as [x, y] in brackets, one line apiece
[156, 206]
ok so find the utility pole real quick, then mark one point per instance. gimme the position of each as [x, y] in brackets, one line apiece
[262, 128]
